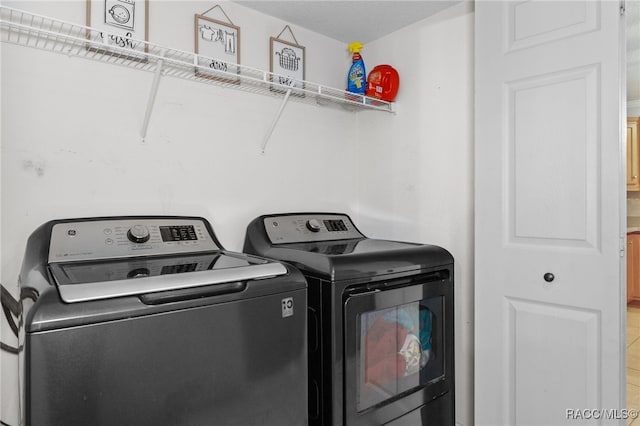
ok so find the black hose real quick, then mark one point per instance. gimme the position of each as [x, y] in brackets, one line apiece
[9, 301]
[10, 320]
[11, 307]
[10, 349]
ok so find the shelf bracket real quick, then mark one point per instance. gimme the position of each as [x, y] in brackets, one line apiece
[152, 97]
[275, 120]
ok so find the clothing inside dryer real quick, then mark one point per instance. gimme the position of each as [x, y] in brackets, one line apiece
[399, 350]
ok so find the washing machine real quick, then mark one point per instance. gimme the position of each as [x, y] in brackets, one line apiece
[380, 317]
[148, 320]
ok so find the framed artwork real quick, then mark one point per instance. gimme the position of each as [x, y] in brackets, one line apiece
[122, 23]
[287, 61]
[217, 45]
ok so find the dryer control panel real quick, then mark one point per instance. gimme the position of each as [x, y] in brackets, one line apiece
[128, 237]
[299, 228]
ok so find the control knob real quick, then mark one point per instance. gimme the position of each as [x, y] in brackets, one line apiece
[139, 273]
[138, 234]
[313, 225]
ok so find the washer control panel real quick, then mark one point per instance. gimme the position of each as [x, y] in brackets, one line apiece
[309, 227]
[128, 237]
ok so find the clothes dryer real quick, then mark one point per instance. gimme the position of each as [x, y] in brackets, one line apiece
[381, 346]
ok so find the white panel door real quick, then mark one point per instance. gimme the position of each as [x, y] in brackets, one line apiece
[549, 227]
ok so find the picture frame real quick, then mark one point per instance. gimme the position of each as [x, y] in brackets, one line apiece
[287, 61]
[122, 23]
[219, 44]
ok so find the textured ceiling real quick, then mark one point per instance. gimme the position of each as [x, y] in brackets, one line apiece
[347, 21]
[368, 20]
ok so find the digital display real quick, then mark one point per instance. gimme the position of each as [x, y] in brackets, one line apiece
[178, 269]
[178, 233]
[335, 225]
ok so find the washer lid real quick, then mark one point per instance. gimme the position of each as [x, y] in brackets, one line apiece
[105, 279]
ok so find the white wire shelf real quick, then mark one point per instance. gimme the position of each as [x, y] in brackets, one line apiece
[41, 32]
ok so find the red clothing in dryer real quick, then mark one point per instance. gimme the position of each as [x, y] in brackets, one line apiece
[383, 363]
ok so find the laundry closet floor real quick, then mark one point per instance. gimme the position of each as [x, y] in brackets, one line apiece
[633, 359]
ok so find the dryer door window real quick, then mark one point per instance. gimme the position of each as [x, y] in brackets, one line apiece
[398, 346]
[398, 350]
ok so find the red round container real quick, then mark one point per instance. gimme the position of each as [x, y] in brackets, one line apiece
[383, 83]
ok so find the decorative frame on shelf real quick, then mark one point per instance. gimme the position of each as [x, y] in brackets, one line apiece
[217, 46]
[22, 28]
[122, 23]
[287, 62]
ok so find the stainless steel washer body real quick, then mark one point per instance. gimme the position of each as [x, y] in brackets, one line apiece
[149, 321]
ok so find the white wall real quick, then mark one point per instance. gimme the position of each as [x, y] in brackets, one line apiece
[71, 145]
[415, 179]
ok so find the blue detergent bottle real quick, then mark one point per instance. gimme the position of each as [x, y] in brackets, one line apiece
[356, 80]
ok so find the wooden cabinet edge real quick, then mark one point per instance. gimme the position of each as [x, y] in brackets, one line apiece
[633, 185]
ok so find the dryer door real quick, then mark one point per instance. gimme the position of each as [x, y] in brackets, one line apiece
[397, 341]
